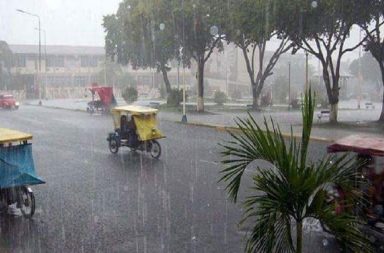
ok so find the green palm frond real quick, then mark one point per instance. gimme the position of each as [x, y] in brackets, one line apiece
[293, 188]
[307, 115]
[254, 143]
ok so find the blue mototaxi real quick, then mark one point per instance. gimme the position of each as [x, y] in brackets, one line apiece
[17, 171]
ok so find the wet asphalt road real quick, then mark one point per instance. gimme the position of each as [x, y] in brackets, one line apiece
[95, 201]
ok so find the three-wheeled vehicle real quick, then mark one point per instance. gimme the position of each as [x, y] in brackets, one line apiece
[371, 149]
[17, 171]
[136, 128]
[105, 102]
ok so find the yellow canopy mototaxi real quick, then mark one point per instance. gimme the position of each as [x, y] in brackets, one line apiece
[136, 128]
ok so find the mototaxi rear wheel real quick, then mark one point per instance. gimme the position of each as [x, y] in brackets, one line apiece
[27, 202]
[155, 149]
[113, 146]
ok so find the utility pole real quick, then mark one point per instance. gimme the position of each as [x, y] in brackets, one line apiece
[39, 70]
[306, 72]
[289, 85]
[360, 76]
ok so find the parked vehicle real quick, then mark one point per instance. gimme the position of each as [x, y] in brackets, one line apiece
[7, 101]
[17, 171]
[136, 128]
[105, 101]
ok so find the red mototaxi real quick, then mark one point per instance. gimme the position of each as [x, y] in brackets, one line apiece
[371, 147]
[107, 99]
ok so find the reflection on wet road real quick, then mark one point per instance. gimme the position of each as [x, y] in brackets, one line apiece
[98, 202]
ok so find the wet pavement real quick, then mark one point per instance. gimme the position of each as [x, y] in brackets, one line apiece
[355, 121]
[95, 201]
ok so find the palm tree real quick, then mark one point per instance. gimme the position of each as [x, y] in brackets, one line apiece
[293, 190]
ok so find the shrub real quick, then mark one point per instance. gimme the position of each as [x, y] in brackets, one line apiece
[130, 94]
[236, 94]
[220, 97]
[296, 103]
[175, 97]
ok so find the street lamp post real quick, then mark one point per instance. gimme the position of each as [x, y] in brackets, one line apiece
[45, 60]
[289, 85]
[306, 72]
[184, 118]
[39, 70]
[360, 76]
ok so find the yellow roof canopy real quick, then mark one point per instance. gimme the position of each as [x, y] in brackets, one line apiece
[135, 109]
[9, 135]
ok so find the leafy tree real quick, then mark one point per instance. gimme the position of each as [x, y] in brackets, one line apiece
[280, 89]
[369, 68]
[113, 74]
[175, 97]
[374, 10]
[220, 97]
[142, 34]
[251, 27]
[130, 94]
[327, 24]
[6, 60]
[199, 34]
[293, 189]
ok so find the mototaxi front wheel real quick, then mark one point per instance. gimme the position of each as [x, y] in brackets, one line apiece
[155, 149]
[27, 202]
[113, 146]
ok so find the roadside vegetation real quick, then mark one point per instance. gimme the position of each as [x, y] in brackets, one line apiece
[292, 189]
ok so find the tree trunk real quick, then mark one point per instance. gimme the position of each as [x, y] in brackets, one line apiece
[256, 92]
[166, 80]
[334, 113]
[333, 94]
[381, 119]
[255, 96]
[299, 236]
[200, 85]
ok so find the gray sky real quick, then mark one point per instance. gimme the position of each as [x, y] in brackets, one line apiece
[70, 22]
[67, 22]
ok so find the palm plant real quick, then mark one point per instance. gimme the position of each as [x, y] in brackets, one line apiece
[293, 190]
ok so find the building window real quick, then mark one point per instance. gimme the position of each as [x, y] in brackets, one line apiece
[55, 61]
[20, 60]
[88, 61]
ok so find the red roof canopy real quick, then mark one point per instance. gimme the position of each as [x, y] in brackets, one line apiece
[362, 144]
[105, 94]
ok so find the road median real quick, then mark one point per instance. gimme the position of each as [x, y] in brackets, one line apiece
[221, 128]
[217, 127]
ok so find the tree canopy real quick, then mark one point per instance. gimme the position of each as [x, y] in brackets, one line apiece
[6, 61]
[250, 27]
[142, 34]
[199, 33]
[322, 28]
[373, 27]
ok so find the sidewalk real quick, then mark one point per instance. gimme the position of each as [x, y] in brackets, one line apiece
[352, 121]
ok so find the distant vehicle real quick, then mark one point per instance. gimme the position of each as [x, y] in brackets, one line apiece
[7, 101]
[152, 104]
[369, 105]
[105, 102]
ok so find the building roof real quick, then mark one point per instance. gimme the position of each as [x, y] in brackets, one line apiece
[58, 50]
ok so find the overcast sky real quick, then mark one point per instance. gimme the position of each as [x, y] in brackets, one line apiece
[67, 22]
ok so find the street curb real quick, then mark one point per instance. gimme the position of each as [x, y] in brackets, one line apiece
[59, 108]
[219, 128]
